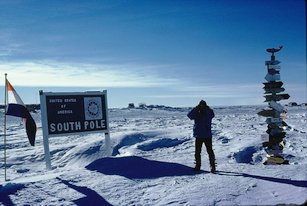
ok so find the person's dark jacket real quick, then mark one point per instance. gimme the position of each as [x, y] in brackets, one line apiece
[202, 121]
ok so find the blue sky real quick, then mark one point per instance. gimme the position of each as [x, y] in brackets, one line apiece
[155, 52]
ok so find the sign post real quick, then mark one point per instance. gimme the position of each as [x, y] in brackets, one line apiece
[73, 113]
[275, 113]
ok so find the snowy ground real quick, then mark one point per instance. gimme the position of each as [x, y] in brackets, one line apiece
[152, 160]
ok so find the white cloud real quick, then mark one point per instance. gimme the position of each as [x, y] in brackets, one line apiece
[223, 94]
[223, 90]
[51, 73]
[231, 94]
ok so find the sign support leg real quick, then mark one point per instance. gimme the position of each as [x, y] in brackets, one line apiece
[107, 144]
[45, 130]
[47, 152]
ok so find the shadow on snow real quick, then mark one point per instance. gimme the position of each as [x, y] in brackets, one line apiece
[133, 167]
[7, 190]
[91, 197]
[297, 183]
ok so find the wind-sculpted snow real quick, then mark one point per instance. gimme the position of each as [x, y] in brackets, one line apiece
[152, 160]
[245, 155]
[146, 141]
[131, 139]
[161, 143]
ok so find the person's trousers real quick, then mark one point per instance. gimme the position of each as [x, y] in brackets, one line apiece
[198, 147]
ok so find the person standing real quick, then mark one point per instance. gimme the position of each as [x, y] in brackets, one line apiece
[202, 115]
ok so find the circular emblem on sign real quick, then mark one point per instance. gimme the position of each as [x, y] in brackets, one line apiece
[93, 109]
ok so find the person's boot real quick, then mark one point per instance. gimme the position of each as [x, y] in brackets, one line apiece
[213, 168]
[197, 163]
[197, 168]
[212, 165]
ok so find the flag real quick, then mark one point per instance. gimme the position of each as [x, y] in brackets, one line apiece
[17, 108]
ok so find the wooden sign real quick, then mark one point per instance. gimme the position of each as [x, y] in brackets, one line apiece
[273, 120]
[276, 97]
[268, 85]
[274, 90]
[276, 62]
[279, 136]
[275, 125]
[268, 113]
[272, 78]
[274, 132]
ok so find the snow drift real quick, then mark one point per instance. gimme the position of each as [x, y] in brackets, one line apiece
[152, 160]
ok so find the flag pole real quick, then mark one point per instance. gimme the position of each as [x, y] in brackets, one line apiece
[4, 130]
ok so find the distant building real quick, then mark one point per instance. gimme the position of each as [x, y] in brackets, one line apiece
[142, 105]
[292, 104]
[131, 106]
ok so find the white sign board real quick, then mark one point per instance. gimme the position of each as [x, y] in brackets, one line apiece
[272, 78]
[278, 107]
[276, 67]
